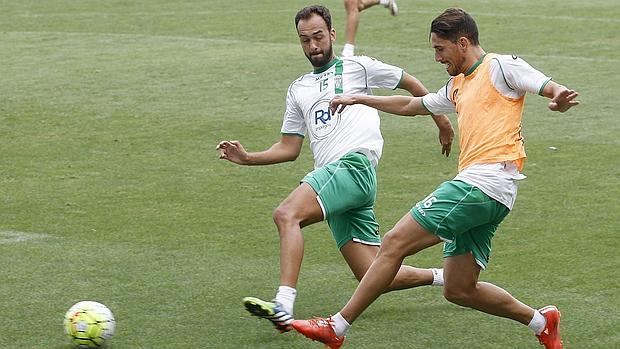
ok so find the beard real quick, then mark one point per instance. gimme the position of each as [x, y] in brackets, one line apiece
[457, 68]
[452, 70]
[320, 61]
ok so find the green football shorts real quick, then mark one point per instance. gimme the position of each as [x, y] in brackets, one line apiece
[464, 217]
[346, 190]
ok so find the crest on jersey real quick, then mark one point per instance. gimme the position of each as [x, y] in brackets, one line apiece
[321, 121]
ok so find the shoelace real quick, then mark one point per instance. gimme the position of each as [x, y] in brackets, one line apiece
[322, 322]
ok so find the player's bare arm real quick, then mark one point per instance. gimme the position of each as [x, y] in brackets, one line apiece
[417, 89]
[399, 105]
[413, 85]
[562, 98]
[287, 149]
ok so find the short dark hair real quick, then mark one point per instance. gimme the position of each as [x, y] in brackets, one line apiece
[309, 11]
[454, 23]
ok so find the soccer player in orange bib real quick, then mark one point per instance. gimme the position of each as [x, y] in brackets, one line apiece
[487, 92]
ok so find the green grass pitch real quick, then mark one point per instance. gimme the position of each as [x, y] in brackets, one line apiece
[111, 189]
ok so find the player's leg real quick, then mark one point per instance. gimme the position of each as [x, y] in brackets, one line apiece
[325, 192]
[389, 4]
[349, 198]
[441, 213]
[359, 257]
[463, 288]
[392, 6]
[475, 219]
[359, 225]
[299, 209]
[364, 4]
[352, 9]
[409, 277]
[404, 239]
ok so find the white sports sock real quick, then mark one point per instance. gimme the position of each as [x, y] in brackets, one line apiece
[437, 277]
[348, 50]
[538, 323]
[286, 296]
[385, 3]
[341, 326]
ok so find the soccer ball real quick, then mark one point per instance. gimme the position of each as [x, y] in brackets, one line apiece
[89, 324]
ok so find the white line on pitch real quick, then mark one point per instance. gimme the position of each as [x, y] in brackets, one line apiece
[13, 237]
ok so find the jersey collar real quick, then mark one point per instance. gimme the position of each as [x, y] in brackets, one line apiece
[473, 67]
[326, 66]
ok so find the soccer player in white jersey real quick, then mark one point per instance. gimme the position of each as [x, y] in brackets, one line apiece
[487, 91]
[346, 148]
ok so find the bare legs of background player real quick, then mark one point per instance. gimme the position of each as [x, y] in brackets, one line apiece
[353, 9]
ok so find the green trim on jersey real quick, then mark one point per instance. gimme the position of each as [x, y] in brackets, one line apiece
[473, 67]
[402, 75]
[501, 69]
[293, 134]
[326, 66]
[425, 107]
[543, 87]
[338, 86]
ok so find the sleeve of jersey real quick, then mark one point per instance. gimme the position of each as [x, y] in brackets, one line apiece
[381, 75]
[293, 122]
[439, 102]
[521, 76]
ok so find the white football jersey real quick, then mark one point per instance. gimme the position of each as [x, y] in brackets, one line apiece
[357, 128]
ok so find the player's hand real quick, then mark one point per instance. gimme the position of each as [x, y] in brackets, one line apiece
[564, 100]
[446, 135]
[337, 104]
[232, 151]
